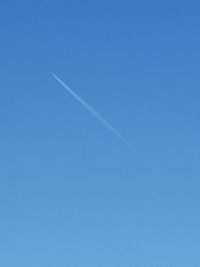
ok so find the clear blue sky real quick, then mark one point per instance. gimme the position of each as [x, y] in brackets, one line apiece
[71, 194]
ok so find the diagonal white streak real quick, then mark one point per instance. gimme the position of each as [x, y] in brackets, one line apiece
[103, 121]
[94, 112]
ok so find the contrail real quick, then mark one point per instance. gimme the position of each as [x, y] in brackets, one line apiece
[103, 121]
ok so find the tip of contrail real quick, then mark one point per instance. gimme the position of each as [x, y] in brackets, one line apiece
[53, 74]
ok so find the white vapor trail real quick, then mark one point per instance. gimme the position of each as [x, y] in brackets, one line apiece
[103, 121]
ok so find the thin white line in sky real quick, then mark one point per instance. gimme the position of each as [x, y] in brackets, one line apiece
[103, 121]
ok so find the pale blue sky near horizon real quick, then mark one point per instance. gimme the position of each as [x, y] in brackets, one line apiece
[72, 194]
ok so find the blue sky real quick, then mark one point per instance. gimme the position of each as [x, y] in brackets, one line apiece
[71, 194]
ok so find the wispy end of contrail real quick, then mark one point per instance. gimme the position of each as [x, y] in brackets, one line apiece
[103, 121]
